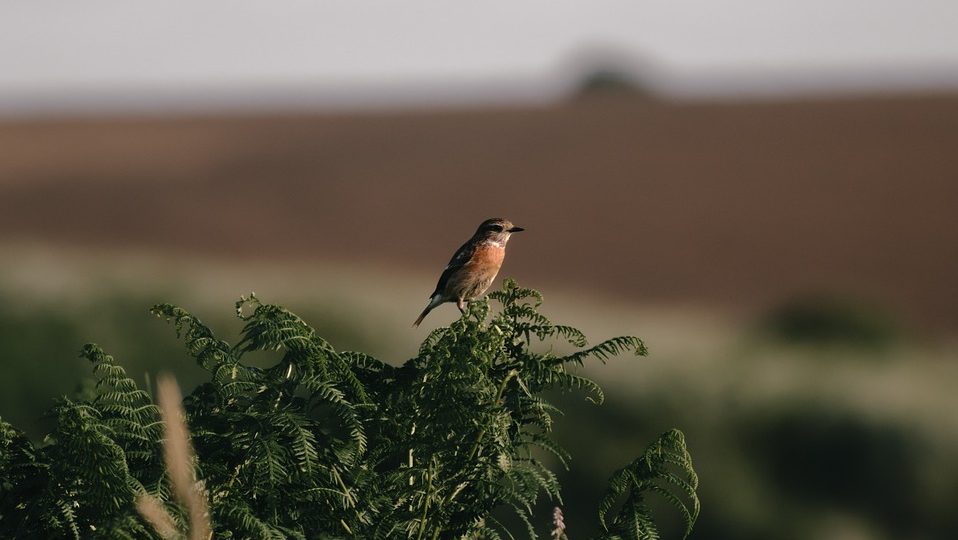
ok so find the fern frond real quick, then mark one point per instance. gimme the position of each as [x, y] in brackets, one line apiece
[571, 381]
[511, 293]
[202, 345]
[607, 349]
[652, 473]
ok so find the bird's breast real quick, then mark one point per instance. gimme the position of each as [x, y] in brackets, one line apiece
[476, 275]
[489, 254]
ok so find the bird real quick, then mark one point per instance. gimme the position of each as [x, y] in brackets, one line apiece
[473, 267]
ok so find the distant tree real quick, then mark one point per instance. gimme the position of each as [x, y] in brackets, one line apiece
[611, 82]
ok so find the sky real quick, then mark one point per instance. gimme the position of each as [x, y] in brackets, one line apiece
[94, 55]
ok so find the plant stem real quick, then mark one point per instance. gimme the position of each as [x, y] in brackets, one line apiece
[425, 507]
[482, 433]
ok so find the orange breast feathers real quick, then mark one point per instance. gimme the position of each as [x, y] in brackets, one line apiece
[477, 274]
[487, 257]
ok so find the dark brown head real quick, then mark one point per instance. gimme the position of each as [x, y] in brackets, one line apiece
[496, 230]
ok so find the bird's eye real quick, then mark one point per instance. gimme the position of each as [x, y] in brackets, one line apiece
[495, 228]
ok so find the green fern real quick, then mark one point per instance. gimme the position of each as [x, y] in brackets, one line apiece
[665, 469]
[332, 444]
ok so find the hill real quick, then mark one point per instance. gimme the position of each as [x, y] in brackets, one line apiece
[737, 205]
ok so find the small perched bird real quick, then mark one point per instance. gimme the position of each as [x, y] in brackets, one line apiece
[473, 267]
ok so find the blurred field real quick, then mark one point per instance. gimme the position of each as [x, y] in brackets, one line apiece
[738, 206]
[703, 228]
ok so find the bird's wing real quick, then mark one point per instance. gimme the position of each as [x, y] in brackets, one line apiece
[461, 257]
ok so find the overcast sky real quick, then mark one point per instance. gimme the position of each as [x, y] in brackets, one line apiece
[95, 54]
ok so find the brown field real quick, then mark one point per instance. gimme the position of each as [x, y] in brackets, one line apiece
[727, 205]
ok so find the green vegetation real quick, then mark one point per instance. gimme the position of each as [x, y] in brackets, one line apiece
[328, 444]
[830, 320]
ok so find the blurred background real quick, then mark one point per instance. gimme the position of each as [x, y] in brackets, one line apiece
[765, 191]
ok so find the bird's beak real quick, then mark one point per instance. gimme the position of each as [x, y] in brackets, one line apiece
[515, 229]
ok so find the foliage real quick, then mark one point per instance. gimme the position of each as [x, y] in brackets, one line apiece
[653, 472]
[327, 444]
[820, 319]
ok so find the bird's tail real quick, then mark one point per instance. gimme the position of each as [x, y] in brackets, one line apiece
[433, 302]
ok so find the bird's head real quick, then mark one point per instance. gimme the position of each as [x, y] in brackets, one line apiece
[497, 230]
